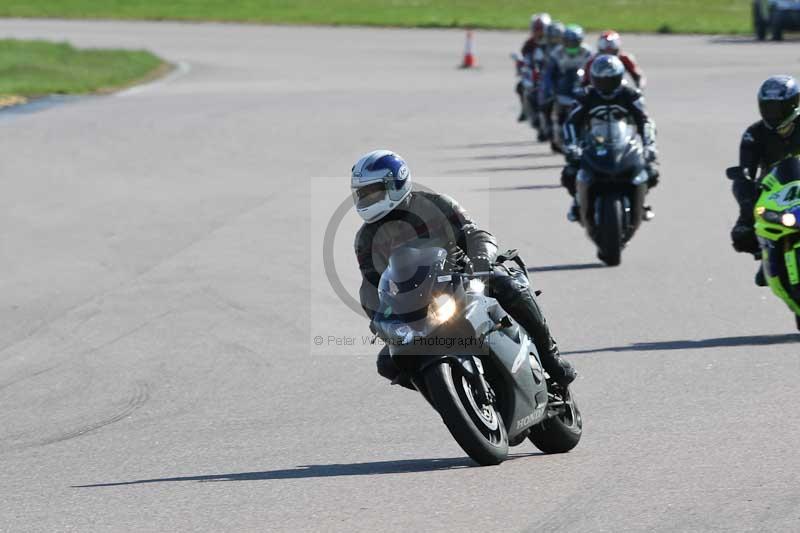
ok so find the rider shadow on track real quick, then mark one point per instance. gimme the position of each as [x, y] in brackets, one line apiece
[405, 466]
[721, 342]
[520, 168]
[527, 155]
[496, 144]
[523, 188]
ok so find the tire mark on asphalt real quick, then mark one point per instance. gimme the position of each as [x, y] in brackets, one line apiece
[135, 400]
[141, 393]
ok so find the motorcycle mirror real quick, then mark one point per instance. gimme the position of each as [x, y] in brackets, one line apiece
[735, 173]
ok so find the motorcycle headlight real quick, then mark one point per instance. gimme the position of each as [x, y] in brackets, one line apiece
[788, 218]
[442, 309]
[773, 217]
[476, 285]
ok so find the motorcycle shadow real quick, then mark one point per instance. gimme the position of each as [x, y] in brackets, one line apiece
[721, 342]
[521, 168]
[545, 186]
[526, 155]
[560, 268]
[405, 466]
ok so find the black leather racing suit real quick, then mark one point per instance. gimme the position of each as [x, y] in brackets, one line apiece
[759, 150]
[442, 222]
[627, 100]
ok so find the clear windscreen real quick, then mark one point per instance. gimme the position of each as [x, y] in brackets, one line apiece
[406, 284]
[406, 291]
[613, 132]
[787, 170]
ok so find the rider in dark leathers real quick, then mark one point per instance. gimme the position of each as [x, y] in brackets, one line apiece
[607, 90]
[440, 221]
[763, 144]
[534, 52]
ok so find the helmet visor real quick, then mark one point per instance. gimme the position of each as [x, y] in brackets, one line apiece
[369, 195]
[572, 46]
[774, 112]
[606, 84]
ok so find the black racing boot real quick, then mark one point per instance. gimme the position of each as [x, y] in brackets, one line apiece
[761, 279]
[574, 213]
[522, 116]
[516, 298]
[561, 371]
[648, 214]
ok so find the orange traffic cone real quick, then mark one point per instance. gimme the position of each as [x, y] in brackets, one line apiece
[470, 57]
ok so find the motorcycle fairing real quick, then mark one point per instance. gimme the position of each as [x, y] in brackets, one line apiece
[780, 244]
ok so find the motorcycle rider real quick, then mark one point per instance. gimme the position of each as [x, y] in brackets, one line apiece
[607, 90]
[562, 65]
[395, 214]
[533, 51]
[610, 43]
[763, 144]
[555, 36]
[554, 39]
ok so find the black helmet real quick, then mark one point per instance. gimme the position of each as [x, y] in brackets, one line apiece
[778, 100]
[606, 73]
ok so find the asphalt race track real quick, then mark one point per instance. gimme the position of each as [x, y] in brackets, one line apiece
[161, 288]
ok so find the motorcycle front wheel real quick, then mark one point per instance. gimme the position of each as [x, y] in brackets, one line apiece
[477, 428]
[610, 230]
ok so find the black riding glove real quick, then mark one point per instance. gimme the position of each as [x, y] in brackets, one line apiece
[481, 263]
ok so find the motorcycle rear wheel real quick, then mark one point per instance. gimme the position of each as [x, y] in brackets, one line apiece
[561, 432]
[478, 429]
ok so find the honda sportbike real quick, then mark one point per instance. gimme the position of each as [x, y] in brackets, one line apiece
[611, 184]
[470, 360]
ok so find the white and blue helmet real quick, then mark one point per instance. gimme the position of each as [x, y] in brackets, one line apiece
[380, 181]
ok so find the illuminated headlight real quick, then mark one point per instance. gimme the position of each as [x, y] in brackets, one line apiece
[476, 285]
[442, 309]
[789, 220]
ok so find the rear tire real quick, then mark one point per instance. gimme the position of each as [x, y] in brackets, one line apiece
[560, 433]
[610, 230]
[479, 430]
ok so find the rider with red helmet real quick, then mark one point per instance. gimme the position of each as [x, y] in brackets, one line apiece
[534, 51]
[538, 38]
[610, 43]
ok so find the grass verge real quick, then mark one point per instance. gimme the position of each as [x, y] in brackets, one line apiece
[37, 68]
[665, 16]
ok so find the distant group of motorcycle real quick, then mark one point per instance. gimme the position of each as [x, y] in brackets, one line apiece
[578, 101]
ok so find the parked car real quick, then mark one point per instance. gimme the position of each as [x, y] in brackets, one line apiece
[775, 16]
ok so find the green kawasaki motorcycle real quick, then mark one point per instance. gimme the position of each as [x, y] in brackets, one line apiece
[777, 216]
